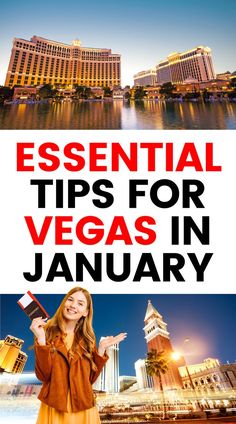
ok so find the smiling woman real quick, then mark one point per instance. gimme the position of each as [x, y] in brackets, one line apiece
[67, 361]
[75, 308]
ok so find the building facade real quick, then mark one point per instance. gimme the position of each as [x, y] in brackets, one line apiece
[224, 76]
[158, 338]
[209, 377]
[108, 380]
[195, 64]
[145, 78]
[41, 61]
[144, 381]
[12, 359]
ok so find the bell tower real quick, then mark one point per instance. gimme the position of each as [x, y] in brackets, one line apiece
[158, 338]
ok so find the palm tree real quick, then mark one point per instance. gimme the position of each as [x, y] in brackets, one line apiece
[156, 365]
[139, 93]
[167, 88]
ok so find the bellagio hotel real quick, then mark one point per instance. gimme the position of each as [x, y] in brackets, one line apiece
[41, 61]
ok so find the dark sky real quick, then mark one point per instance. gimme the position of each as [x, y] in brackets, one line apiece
[209, 321]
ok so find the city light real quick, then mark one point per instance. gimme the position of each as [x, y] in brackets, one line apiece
[175, 356]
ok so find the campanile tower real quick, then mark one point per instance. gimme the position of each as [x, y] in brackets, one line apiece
[158, 338]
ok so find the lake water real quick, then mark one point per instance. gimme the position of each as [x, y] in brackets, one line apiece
[119, 115]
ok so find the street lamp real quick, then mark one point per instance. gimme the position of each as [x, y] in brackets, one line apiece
[176, 356]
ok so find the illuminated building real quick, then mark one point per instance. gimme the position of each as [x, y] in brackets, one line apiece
[12, 359]
[25, 93]
[209, 377]
[145, 78]
[120, 93]
[20, 362]
[224, 76]
[195, 64]
[158, 338]
[144, 380]
[108, 381]
[41, 61]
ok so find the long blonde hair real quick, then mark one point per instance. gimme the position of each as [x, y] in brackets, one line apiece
[84, 334]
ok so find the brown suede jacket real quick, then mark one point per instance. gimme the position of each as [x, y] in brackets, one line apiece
[59, 374]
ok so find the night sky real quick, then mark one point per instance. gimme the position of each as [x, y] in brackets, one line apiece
[142, 32]
[209, 321]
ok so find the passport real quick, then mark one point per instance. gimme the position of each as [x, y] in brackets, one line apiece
[31, 306]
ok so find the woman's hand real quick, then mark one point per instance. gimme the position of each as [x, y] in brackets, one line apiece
[38, 330]
[110, 341]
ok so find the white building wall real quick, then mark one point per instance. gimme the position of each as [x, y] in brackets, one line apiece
[196, 64]
[143, 379]
[108, 381]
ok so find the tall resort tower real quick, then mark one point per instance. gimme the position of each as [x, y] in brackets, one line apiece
[12, 359]
[108, 380]
[40, 61]
[158, 338]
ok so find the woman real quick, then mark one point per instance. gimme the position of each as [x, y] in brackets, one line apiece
[67, 361]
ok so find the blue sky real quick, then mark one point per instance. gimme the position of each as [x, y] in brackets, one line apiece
[209, 321]
[143, 32]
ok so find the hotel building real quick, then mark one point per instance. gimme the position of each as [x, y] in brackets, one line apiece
[108, 380]
[144, 381]
[192, 65]
[195, 64]
[41, 61]
[12, 359]
[145, 78]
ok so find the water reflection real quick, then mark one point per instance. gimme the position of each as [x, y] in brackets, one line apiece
[119, 115]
